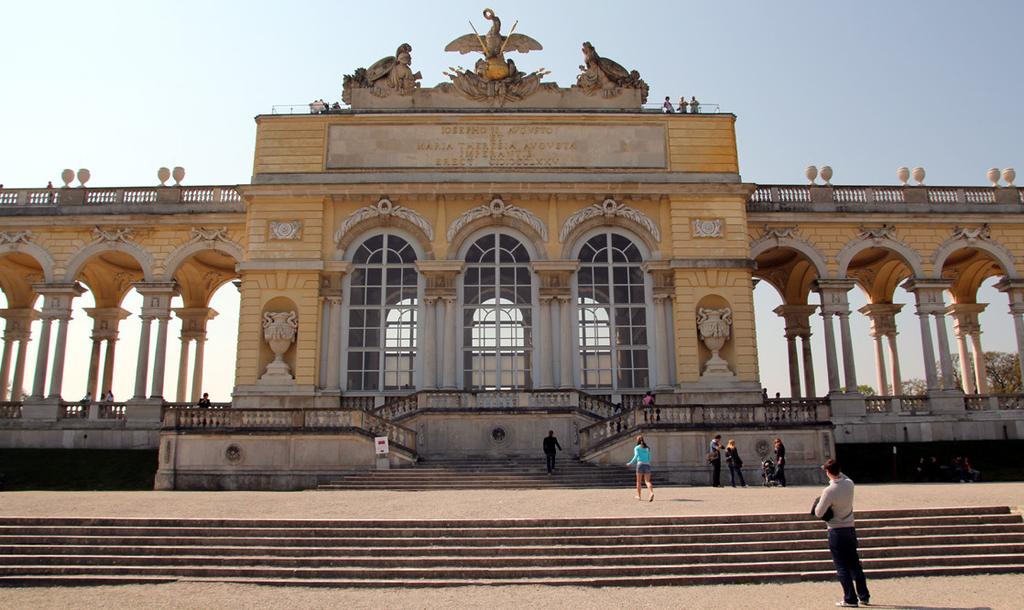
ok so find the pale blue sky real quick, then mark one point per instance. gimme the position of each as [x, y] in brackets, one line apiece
[125, 87]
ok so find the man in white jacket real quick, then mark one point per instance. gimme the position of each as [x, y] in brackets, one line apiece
[842, 537]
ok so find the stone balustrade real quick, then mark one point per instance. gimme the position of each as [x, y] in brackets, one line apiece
[294, 420]
[403, 406]
[10, 410]
[789, 197]
[25, 200]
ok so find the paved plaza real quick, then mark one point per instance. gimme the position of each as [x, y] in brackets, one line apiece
[981, 591]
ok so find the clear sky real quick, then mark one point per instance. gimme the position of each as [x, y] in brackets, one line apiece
[123, 88]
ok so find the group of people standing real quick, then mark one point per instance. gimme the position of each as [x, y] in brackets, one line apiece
[735, 462]
[691, 107]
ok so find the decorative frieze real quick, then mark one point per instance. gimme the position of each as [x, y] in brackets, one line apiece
[877, 234]
[15, 237]
[497, 208]
[386, 210]
[288, 230]
[971, 235]
[609, 209]
[203, 234]
[707, 228]
[123, 234]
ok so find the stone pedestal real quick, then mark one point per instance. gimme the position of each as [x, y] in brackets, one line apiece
[850, 404]
[41, 410]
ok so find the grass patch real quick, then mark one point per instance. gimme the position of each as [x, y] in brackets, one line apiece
[77, 469]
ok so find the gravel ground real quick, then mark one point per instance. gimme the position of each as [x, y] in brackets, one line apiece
[983, 591]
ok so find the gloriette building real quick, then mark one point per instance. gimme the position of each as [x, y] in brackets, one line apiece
[461, 268]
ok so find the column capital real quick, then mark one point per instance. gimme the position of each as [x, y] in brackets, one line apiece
[440, 276]
[156, 298]
[58, 298]
[928, 293]
[965, 318]
[555, 276]
[19, 323]
[193, 320]
[797, 319]
[834, 298]
[883, 318]
[332, 276]
[105, 321]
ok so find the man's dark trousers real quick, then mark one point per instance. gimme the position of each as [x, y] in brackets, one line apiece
[842, 542]
[551, 461]
[716, 473]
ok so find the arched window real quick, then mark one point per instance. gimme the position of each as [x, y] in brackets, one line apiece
[383, 302]
[497, 316]
[612, 314]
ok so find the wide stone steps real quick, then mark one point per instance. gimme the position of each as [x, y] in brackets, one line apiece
[480, 473]
[598, 552]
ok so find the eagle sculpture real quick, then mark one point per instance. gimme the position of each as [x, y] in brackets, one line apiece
[493, 45]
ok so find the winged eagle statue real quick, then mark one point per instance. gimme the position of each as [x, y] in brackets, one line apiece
[493, 45]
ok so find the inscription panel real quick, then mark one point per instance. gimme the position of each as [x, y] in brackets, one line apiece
[496, 145]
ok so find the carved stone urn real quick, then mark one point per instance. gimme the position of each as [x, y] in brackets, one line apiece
[903, 175]
[918, 173]
[993, 176]
[811, 173]
[163, 174]
[713, 326]
[67, 176]
[1009, 175]
[279, 329]
[826, 174]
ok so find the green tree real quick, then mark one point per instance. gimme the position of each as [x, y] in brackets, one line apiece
[866, 389]
[913, 387]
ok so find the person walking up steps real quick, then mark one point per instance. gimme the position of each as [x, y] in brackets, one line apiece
[842, 537]
[642, 459]
[551, 447]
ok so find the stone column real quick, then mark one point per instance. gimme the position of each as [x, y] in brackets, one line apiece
[897, 379]
[197, 368]
[797, 318]
[105, 321]
[451, 321]
[670, 337]
[980, 364]
[808, 362]
[565, 368]
[543, 345]
[334, 344]
[193, 328]
[5, 366]
[883, 327]
[428, 353]
[966, 327]
[56, 306]
[156, 305]
[42, 359]
[834, 302]
[1014, 290]
[945, 358]
[440, 276]
[663, 339]
[928, 294]
[19, 369]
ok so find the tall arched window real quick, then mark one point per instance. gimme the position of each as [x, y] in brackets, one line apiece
[497, 316]
[383, 301]
[612, 314]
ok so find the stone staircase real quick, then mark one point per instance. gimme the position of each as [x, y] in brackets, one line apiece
[639, 551]
[487, 473]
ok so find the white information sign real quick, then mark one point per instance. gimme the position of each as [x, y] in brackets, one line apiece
[380, 445]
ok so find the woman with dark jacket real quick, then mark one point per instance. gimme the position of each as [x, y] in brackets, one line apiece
[732, 458]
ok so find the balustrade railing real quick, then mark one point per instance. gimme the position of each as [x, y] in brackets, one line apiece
[878, 404]
[776, 412]
[975, 402]
[913, 404]
[112, 410]
[131, 196]
[10, 410]
[769, 197]
[365, 403]
[1008, 402]
[73, 410]
[288, 419]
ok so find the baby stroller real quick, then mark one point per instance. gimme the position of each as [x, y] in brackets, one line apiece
[768, 474]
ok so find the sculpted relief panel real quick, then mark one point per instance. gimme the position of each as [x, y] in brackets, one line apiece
[496, 145]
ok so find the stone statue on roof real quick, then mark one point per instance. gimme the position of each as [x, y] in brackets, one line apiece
[391, 74]
[607, 77]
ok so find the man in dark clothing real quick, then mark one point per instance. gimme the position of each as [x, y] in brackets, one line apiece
[780, 462]
[715, 459]
[551, 447]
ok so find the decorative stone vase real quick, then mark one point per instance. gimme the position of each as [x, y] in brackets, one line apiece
[903, 174]
[1009, 175]
[826, 174]
[178, 174]
[811, 173]
[279, 330]
[83, 176]
[993, 176]
[163, 174]
[918, 174]
[67, 176]
[713, 326]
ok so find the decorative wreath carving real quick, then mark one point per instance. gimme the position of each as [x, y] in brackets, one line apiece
[386, 209]
[609, 208]
[497, 209]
